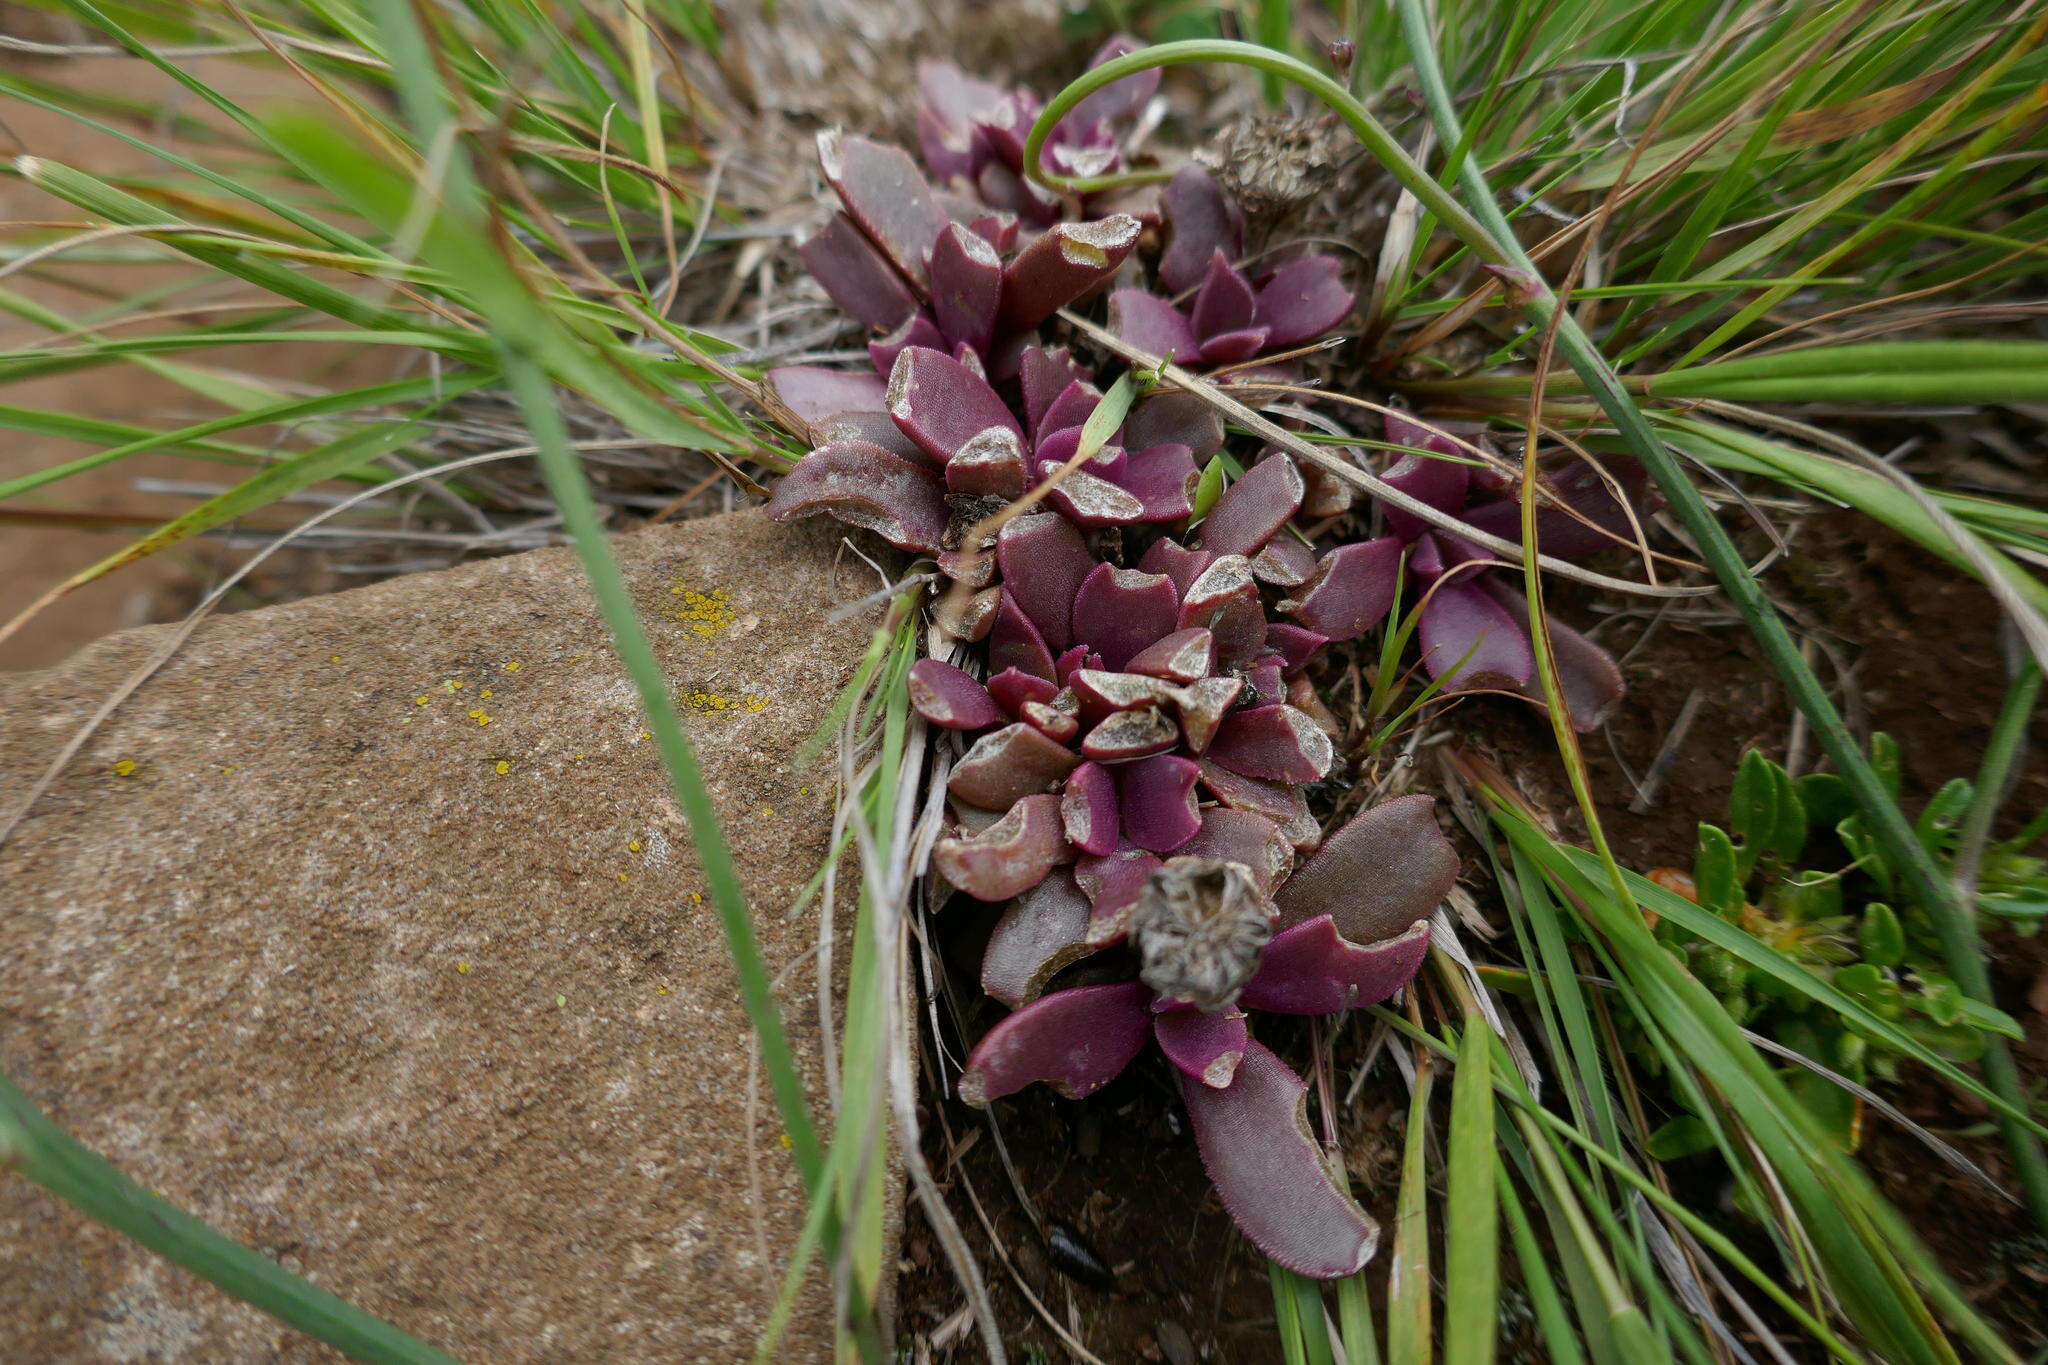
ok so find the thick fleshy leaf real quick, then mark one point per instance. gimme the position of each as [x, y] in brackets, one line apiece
[1234, 348]
[1296, 644]
[1009, 857]
[971, 620]
[1007, 765]
[917, 330]
[1152, 324]
[1119, 612]
[1201, 706]
[1163, 478]
[1441, 483]
[876, 428]
[1168, 556]
[886, 196]
[1277, 743]
[1204, 220]
[1202, 1046]
[1224, 600]
[1044, 373]
[1461, 622]
[1118, 100]
[951, 698]
[864, 485]
[1079, 1040]
[1089, 500]
[1016, 643]
[1254, 508]
[1059, 445]
[941, 404]
[967, 283]
[1285, 562]
[1588, 675]
[1601, 522]
[1175, 417]
[1102, 691]
[864, 285]
[1224, 302]
[1088, 810]
[1351, 589]
[990, 464]
[949, 99]
[1388, 867]
[1271, 1173]
[1066, 261]
[1157, 799]
[1282, 803]
[1137, 733]
[1070, 408]
[1072, 661]
[814, 393]
[1041, 932]
[1045, 563]
[1013, 688]
[1113, 882]
[1265, 681]
[1060, 726]
[1182, 657]
[1311, 969]
[1303, 696]
[1327, 496]
[1240, 836]
[1301, 301]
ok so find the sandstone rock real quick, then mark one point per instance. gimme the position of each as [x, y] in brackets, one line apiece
[387, 957]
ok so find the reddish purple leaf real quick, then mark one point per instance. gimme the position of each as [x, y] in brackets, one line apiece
[1224, 600]
[1060, 726]
[1597, 520]
[1088, 810]
[1041, 932]
[1303, 697]
[1277, 743]
[941, 404]
[1327, 496]
[1204, 220]
[1311, 969]
[1069, 408]
[1296, 644]
[1264, 681]
[876, 428]
[1066, 261]
[1118, 100]
[1351, 589]
[1138, 733]
[1088, 500]
[989, 464]
[1203, 1047]
[973, 619]
[1157, 799]
[917, 330]
[1072, 661]
[967, 282]
[1012, 688]
[1175, 417]
[1285, 562]
[1016, 643]
[1252, 510]
[1201, 706]
[1045, 564]
[1079, 1040]
[1588, 675]
[950, 697]
[1224, 302]
[1250, 840]
[1006, 765]
[1271, 1173]
[858, 279]
[1168, 556]
[1009, 857]
[864, 485]
[1282, 803]
[1388, 867]
[1233, 348]
[1163, 478]
[1441, 483]
[1113, 883]
[1460, 622]
[1044, 374]
[1302, 301]
[1153, 324]
[1102, 692]
[1183, 657]
[884, 193]
[1119, 612]
[814, 393]
[949, 100]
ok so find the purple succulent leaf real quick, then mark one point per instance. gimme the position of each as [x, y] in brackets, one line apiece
[1303, 696]
[856, 277]
[1234, 348]
[1088, 810]
[1285, 562]
[1118, 100]
[1351, 589]
[1056, 446]
[1040, 933]
[1202, 705]
[949, 150]
[941, 404]
[1066, 261]
[1312, 969]
[950, 697]
[1441, 483]
[1005, 766]
[1016, 643]
[1204, 220]
[1461, 622]
[1282, 803]
[1012, 688]
[1102, 692]
[1203, 1047]
[1089, 500]
[876, 428]
[1163, 479]
[1328, 495]
[1224, 303]
[989, 464]
[864, 485]
[999, 230]
[1175, 417]
[1153, 324]
[1003, 188]
[1009, 857]
[1049, 720]
[1137, 733]
[1253, 841]
[1252, 510]
[949, 99]
[1079, 1040]
[1276, 743]
[814, 393]
[917, 330]
[1182, 565]
[1602, 522]
[1587, 674]
[1183, 657]
[1224, 600]
[1119, 612]
[967, 283]
[1157, 800]
[1271, 1173]
[1072, 661]
[884, 194]
[1265, 681]
[1045, 563]
[1388, 867]
[1070, 407]
[972, 620]
[1302, 300]
[1113, 882]
[1297, 644]
[1044, 374]
[1006, 123]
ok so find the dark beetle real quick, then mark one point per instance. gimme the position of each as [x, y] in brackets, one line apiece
[1075, 1258]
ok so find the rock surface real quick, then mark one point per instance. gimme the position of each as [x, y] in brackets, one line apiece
[368, 931]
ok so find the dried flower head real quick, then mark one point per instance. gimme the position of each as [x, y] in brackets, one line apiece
[1200, 925]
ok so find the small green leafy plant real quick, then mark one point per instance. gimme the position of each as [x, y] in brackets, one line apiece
[1797, 869]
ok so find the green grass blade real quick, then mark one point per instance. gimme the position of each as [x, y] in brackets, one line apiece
[1471, 1227]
